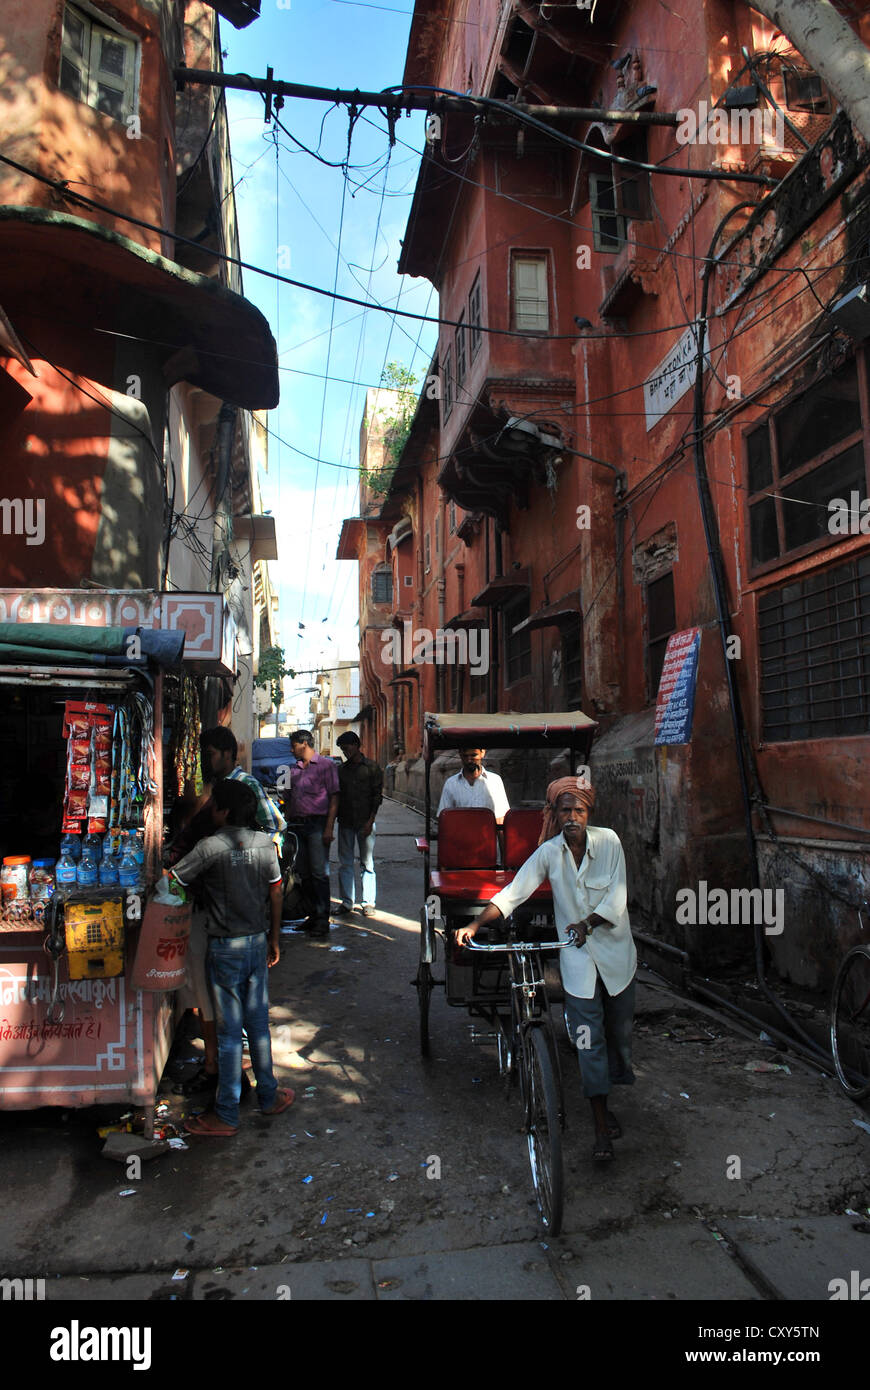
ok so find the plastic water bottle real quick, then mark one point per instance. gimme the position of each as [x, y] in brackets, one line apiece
[112, 845]
[65, 873]
[93, 845]
[129, 873]
[86, 872]
[110, 872]
[137, 842]
[71, 845]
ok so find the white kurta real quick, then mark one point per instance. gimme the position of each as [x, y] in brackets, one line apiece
[487, 790]
[599, 886]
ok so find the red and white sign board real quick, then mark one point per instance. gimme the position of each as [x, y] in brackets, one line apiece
[110, 1045]
[205, 619]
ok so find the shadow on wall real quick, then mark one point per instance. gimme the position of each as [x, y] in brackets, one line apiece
[94, 481]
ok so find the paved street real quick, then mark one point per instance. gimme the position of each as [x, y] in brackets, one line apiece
[334, 1199]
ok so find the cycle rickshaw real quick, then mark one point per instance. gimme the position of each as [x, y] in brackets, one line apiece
[510, 982]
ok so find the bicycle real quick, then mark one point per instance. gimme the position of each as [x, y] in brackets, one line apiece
[527, 1050]
[850, 1021]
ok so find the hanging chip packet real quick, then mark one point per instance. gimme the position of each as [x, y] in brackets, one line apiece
[88, 730]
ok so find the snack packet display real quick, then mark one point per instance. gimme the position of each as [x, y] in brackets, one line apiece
[88, 728]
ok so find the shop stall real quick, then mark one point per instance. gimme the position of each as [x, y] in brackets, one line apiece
[99, 723]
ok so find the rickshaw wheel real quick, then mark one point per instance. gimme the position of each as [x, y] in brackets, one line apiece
[424, 994]
[543, 1128]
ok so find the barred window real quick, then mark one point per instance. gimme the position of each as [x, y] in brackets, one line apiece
[382, 586]
[814, 646]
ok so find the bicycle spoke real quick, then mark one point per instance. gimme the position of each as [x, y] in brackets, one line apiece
[544, 1133]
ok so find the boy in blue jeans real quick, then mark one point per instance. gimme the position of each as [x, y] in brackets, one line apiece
[237, 870]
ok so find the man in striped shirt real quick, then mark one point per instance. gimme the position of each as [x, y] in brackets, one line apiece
[218, 753]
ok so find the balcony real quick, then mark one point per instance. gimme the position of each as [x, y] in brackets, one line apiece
[499, 456]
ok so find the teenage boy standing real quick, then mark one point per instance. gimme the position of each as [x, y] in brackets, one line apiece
[237, 868]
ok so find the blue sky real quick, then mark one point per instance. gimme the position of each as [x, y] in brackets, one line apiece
[291, 211]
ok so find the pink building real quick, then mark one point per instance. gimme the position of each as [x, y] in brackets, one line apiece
[569, 498]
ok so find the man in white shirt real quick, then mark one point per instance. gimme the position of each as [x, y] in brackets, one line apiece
[474, 786]
[586, 869]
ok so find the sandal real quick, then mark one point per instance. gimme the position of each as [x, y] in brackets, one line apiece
[602, 1149]
[614, 1128]
[209, 1125]
[283, 1100]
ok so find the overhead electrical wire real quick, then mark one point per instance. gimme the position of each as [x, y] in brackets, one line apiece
[62, 187]
[349, 488]
[546, 411]
[338, 258]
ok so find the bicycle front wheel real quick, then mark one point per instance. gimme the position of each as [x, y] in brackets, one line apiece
[850, 1023]
[543, 1128]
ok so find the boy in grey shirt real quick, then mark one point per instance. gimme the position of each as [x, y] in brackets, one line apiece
[238, 874]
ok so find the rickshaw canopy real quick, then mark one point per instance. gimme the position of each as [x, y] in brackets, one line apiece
[506, 730]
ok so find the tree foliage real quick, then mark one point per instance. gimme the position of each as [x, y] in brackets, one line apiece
[271, 671]
[398, 425]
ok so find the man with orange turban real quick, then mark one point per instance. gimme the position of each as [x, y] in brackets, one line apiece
[586, 868]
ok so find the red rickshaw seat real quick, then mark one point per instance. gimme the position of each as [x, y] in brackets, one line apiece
[522, 829]
[467, 856]
[479, 885]
[466, 838]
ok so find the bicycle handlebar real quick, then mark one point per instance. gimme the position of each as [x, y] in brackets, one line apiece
[524, 945]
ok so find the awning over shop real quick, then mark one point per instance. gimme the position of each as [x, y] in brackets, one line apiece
[51, 643]
[197, 627]
[564, 612]
[62, 275]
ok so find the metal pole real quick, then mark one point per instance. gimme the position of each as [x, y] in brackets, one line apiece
[411, 101]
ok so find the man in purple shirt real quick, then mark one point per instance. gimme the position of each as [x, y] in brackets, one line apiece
[313, 808]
